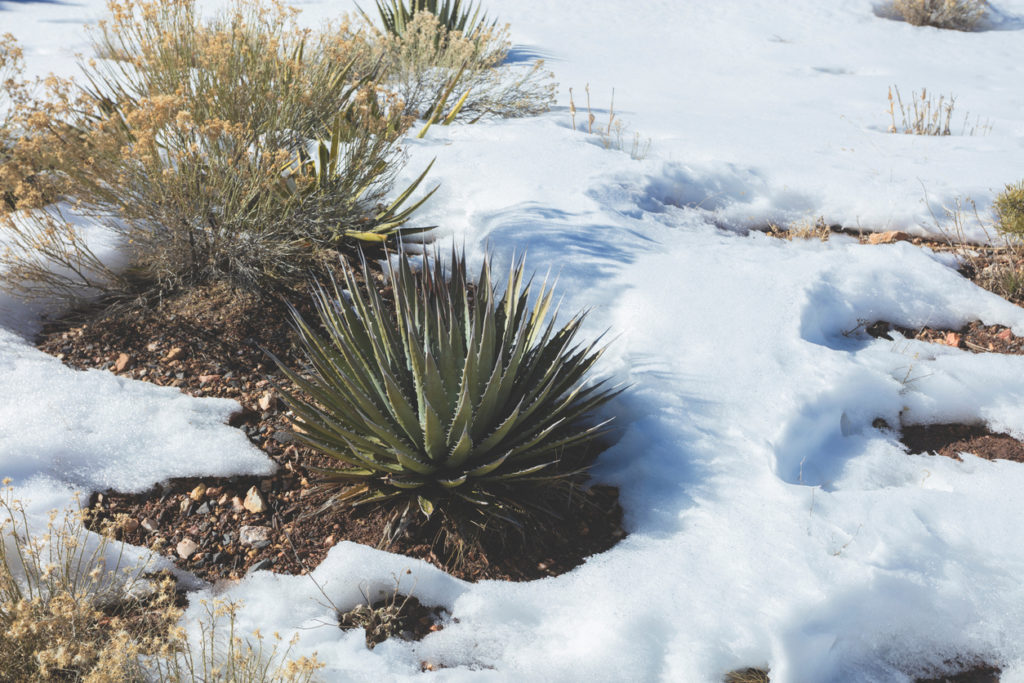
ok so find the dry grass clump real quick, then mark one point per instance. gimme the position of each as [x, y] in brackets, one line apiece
[68, 612]
[191, 142]
[427, 60]
[612, 134]
[223, 655]
[804, 229]
[926, 115]
[65, 614]
[959, 15]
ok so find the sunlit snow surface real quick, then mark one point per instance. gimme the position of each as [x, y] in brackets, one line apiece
[770, 523]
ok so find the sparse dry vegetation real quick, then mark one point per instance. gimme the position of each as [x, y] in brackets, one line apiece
[959, 15]
[613, 133]
[927, 115]
[69, 613]
[75, 607]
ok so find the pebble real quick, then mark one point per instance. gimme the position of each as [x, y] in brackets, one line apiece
[131, 525]
[186, 506]
[236, 504]
[888, 237]
[254, 501]
[198, 493]
[254, 536]
[187, 548]
[206, 379]
[174, 354]
[268, 400]
[149, 524]
[122, 362]
[152, 346]
[203, 509]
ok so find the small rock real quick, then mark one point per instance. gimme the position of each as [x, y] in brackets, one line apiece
[214, 491]
[206, 379]
[186, 506]
[952, 339]
[254, 501]
[203, 509]
[152, 346]
[329, 542]
[174, 354]
[262, 564]
[198, 493]
[283, 437]
[888, 237]
[223, 500]
[131, 525]
[236, 504]
[268, 400]
[1005, 335]
[254, 536]
[122, 362]
[187, 548]
[149, 524]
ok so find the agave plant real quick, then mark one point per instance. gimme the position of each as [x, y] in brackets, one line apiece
[396, 15]
[450, 393]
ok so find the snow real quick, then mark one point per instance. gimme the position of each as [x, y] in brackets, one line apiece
[770, 523]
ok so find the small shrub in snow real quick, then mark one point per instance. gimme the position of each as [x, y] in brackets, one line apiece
[959, 15]
[451, 400]
[427, 59]
[1009, 206]
[195, 141]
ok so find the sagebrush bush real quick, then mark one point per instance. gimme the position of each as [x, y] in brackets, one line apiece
[453, 397]
[1009, 207]
[189, 140]
[959, 15]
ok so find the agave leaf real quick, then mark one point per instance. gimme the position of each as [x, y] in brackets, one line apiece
[488, 467]
[433, 434]
[526, 471]
[371, 237]
[453, 482]
[461, 450]
[494, 438]
[426, 506]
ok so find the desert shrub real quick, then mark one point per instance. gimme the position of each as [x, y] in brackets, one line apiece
[452, 14]
[67, 615]
[1009, 207]
[453, 399]
[960, 15]
[192, 139]
[427, 59]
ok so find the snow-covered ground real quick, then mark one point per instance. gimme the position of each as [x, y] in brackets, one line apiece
[769, 523]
